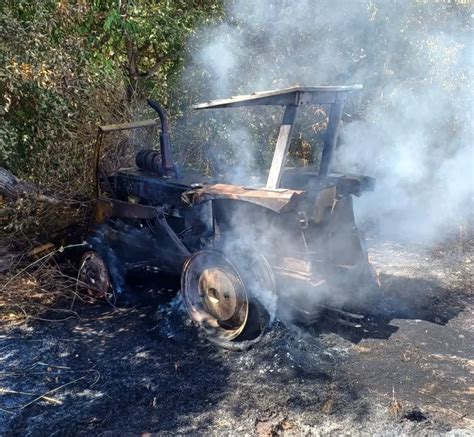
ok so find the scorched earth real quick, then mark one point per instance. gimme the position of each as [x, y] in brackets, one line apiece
[407, 368]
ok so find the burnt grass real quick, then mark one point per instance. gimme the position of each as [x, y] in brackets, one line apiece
[144, 369]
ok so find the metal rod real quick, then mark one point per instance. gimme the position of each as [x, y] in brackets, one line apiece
[282, 146]
[98, 146]
[128, 126]
[331, 137]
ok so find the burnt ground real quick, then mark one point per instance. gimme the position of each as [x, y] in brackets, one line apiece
[408, 369]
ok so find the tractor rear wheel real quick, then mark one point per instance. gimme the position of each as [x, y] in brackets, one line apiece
[220, 296]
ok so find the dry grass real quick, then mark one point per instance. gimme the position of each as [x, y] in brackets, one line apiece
[40, 290]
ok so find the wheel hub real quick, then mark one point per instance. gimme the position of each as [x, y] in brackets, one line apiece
[222, 294]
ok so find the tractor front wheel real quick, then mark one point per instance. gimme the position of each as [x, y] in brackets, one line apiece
[94, 273]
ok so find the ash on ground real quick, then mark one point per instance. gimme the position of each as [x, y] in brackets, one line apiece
[407, 369]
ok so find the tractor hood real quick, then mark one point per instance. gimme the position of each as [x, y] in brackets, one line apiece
[279, 200]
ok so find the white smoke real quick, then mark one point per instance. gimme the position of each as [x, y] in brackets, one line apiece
[411, 127]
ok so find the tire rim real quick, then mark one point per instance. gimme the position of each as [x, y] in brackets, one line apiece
[215, 295]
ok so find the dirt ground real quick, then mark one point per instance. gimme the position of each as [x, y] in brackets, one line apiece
[407, 369]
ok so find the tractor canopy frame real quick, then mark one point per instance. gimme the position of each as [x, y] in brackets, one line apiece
[291, 98]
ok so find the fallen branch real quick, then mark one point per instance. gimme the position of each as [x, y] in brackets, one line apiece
[13, 189]
[8, 184]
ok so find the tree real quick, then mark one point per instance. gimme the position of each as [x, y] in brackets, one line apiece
[147, 38]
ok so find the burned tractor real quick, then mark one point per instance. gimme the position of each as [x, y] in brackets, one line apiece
[236, 248]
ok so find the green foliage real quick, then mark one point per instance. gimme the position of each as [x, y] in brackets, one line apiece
[49, 93]
[66, 67]
[147, 38]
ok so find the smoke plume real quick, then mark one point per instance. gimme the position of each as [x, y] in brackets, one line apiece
[411, 127]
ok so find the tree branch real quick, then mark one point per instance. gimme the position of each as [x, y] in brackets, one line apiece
[153, 70]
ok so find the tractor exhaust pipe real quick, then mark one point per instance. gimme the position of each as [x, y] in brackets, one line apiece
[167, 164]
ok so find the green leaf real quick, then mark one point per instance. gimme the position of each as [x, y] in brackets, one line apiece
[114, 19]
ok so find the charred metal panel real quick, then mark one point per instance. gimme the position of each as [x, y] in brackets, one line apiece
[106, 208]
[149, 188]
[149, 246]
[354, 184]
[276, 200]
[324, 201]
[297, 95]
[308, 178]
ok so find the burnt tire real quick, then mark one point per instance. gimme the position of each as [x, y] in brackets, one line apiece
[94, 275]
[220, 294]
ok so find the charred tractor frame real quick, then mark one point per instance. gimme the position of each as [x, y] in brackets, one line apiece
[236, 248]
